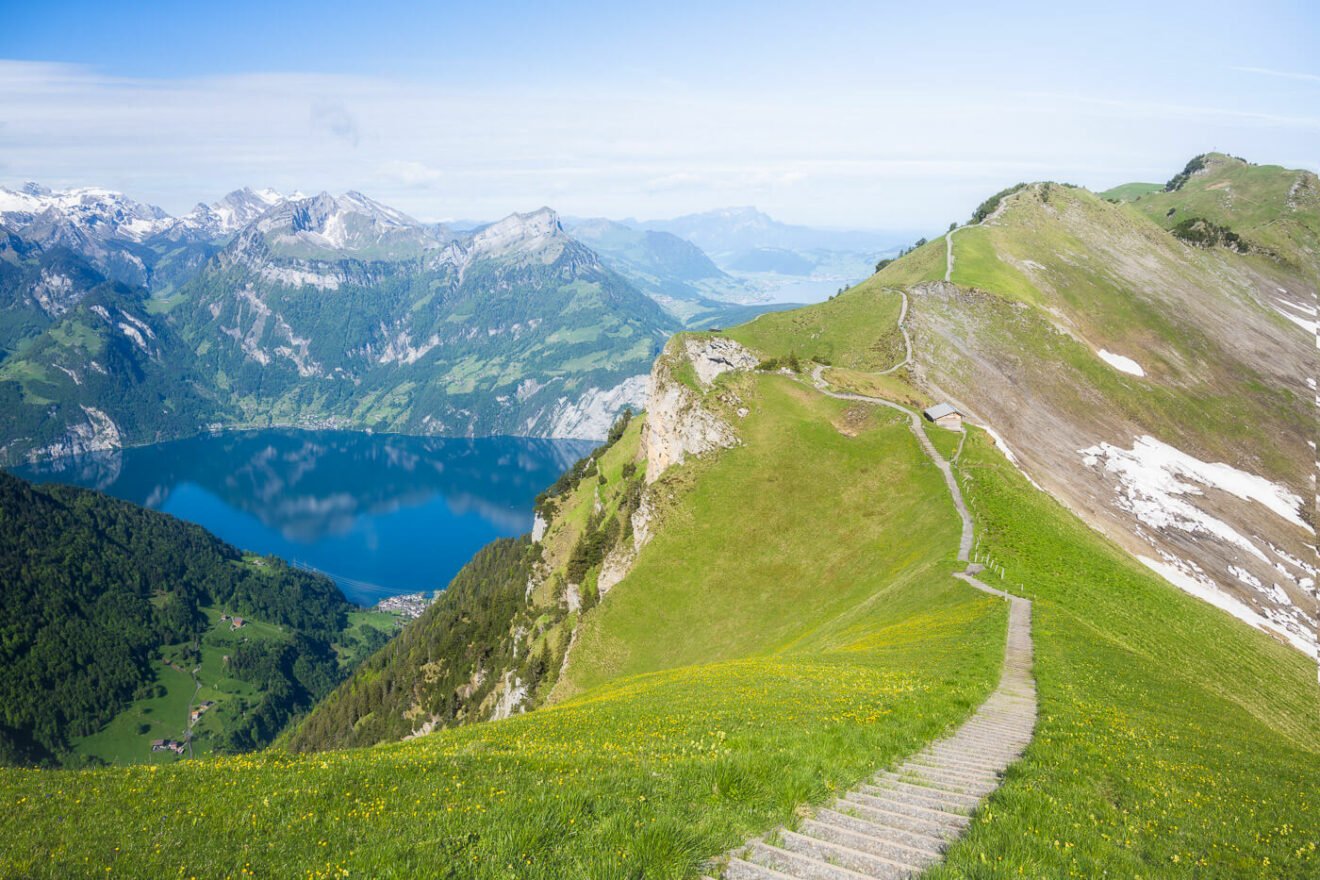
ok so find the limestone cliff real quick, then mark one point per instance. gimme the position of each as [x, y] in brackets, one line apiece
[677, 424]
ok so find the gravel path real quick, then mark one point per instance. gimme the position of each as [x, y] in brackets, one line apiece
[907, 340]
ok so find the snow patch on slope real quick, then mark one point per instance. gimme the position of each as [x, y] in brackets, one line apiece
[1153, 475]
[1121, 363]
[1188, 577]
[1302, 315]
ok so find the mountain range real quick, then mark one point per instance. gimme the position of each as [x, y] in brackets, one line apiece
[120, 324]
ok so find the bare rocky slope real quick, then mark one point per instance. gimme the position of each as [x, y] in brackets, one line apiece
[1162, 388]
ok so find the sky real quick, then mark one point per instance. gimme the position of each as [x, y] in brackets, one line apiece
[860, 115]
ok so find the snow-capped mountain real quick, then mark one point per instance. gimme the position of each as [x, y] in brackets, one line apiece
[329, 227]
[233, 212]
[97, 213]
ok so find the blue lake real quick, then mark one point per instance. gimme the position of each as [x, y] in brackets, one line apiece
[382, 514]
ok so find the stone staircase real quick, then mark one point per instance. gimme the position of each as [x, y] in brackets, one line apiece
[899, 822]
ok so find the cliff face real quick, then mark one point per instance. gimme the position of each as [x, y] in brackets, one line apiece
[677, 425]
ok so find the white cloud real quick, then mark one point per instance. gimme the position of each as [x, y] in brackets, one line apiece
[334, 119]
[899, 158]
[1282, 74]
[410, 173]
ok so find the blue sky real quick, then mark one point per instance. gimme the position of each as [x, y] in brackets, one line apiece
[878, 115]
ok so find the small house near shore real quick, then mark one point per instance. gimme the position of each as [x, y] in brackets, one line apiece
[945, 415]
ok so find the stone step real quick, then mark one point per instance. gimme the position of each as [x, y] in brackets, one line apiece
[987, 737]
[973, 758]
[978, 743]
[904, 821]
[1008, 730]
[995, 747]
[979, 738]
[993, 753]
[738, 869]
[952, 773]
[956, 798]
[918, 799]
[877, 843]
[992, 725]
[799, 866]
[944, 818]
[960, 787]
[938, 776]
[942, 763]
[917, 840]
[846, 856]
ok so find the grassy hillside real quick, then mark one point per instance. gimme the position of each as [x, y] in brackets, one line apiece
[1274, 208]
[801, 584]
[858, 330]
[643, 774]
[1112, 281]
[1173, 740]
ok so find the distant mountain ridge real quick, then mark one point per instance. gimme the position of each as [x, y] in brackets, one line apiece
[265, 309]
[782, 262]
[727, 230]
[673, 271]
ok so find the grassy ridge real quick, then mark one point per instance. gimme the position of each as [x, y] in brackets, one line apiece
[1173, 740]
[643, 775]
[1128, 192]
[798, 582]
[1071, 254]
[1271, 206]
[857, 330]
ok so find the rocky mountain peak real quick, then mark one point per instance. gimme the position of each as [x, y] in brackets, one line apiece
[231, 213]
[99, 213]
[323, 225]
[519, 232]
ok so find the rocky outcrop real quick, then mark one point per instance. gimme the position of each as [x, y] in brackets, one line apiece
[590, 414]
[621, 557]
[97, 434]
[512, 694]
[711, 357]
[677, 424]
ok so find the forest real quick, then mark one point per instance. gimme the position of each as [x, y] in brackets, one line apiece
[94, 587]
